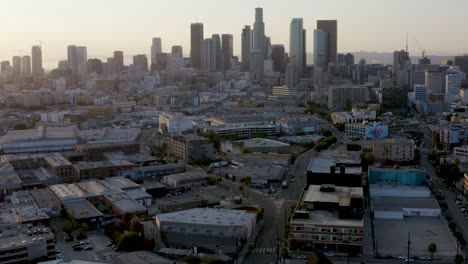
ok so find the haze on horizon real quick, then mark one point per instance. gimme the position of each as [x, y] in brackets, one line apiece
[107, 25]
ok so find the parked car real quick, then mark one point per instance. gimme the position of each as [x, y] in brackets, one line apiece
[84, 242]
[88, 248]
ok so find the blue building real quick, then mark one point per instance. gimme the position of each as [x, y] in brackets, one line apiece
[397, 176]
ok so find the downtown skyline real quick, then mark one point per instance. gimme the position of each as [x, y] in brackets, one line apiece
[122, 31]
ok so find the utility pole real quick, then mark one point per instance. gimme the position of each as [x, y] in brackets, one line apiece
[409, 242]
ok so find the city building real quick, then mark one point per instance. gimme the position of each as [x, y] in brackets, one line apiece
[435, 82]
[395, 149]
[278, 57]
[17, 246]
[255, 145]
[227, 50]
[462, 62]
[83, 212]
[366, 130]
[331, 222]
[208, 55]
[211, 230]
[156, 48]
[404, 176]
[186, 179]
[174, 123]
[321, 45]
[259, 33]
[36, 61]
[77, 56]
[331, 27]
[420, 93]
[296, 42]
[119, 61]
[94, 170]
[190, 148]
[141, 61]
[196, 38]
[337, 169]
[246, 47]
[342, 97]
[16, 62]
[453, 84]
[177, 50]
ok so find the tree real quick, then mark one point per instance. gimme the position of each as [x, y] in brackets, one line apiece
[20, 127]
[432, 248]
[247, 180]
[135, 224]
[68, 228]
[386, 152]
[284, 254]
[190, 259]
[83, 230]
[129, 241]
[458, 259]
[327, 133]
[213, 260]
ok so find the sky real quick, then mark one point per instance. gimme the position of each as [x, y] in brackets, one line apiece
[440, 27]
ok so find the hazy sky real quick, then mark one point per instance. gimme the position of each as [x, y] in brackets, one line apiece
[440, 27]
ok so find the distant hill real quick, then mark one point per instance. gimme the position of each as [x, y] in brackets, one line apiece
[385, 57]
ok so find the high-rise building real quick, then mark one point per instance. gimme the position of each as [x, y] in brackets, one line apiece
[156, 48]
[267, 47]
[196, 38]
[278, 57]
[246, 47]
[304, 49]
[348, 59]
[177, 50]
[16, 61]
[208, 58]
[26, 65]
[119, 61]
[4, 65]
[462, 62]
[400, 59]
[36, 55]
[227, 50]
[94, 66]
[77, 56]
[321, 48]
[292, 75]
[420, 93]
[296, 48]
[331, 27]
[453, 83]
[259, 31]
[435, 82]
[257, 64]
[219, 53]
[142, 61]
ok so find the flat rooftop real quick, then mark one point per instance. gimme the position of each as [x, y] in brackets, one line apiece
[342, 195]
[81, 209]
[142, 257]
[327, 218]
[15, 235]
[41, 133]
[323, 165]
[392, 236]
[396, 202]
[209, 216]
[262, 142]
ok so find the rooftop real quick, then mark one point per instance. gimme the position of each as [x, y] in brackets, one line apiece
[41, 133]
[209, 216]
[142, 257]
[396, 203]
[262, 142]
[342, 195]
[81, 209]
[319, 217]
[15, 235]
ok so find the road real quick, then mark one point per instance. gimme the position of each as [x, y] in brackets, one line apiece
[438, 185]
[277, 210]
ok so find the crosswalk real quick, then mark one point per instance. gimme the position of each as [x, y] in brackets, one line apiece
[263, 250]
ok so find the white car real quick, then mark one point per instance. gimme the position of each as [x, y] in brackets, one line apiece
[84, 242]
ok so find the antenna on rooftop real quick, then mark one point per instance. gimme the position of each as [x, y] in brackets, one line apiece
[406, 41]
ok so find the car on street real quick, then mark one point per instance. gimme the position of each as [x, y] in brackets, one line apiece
[330, 254]
[110, 243]
[425, 258]
[84, 242]
[88, 248]
[78, 248]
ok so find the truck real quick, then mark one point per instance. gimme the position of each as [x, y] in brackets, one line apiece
[218, 164]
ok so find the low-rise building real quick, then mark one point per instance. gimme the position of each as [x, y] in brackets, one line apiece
[174, 123]
[94, 170]
[255, 145]
[17, 246]
[397, 176]
[366, 130]
[190, 148]
[83, 211]
[338, 169]
[210, 230]
[396, 149]
[186, 179]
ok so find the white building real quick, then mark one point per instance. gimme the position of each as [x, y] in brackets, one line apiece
[174, 123]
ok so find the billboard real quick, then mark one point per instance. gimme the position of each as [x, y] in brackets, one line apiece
[376, 131]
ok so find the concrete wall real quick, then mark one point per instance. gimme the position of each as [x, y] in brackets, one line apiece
[388, 214]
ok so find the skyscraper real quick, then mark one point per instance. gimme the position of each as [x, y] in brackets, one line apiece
[118, 61]
[94, 66]
[321, 49]
[16, 61]
[26, 65]
[278, 58]
[196, 38]
[177, 50]
[304, 50]
[400, 59]
[462, 62]
[142, 61]
[36, 54]
[156, 48]
[219, 54]
[330, 26]
[4, 65]
[246, 47]
[77, 57]
[296, 48]
[208, 58]
[259, 31]
[227, 50]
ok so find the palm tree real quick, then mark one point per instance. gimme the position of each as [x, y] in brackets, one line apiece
[432, 248]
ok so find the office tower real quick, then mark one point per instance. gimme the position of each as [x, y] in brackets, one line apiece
[321, 46]
[447, 63]
[16, 61]
[330, 26]
[177, 50]
[4, 65]
[246, 47]
[259, 31]
[267, 47]
[208, 58]
[94, 66]
[292, 74]
[420, 93]
[453, 83]
[278, 58]
[26, 65]
[462, 62]
[424, 61]
[304, 49]
[141, 61]
[227, 50]
[63, 65]
[109, 66]
[196, 38]
[77, 56]
[257, 64]
[348, 59]
[162, 62]
[435, 82]
[118, 60]
[36, 62]
[400, 59]
[219, 53]
[296, 48]
[156, 48]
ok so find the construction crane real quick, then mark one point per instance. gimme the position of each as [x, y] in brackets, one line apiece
[422, 50]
